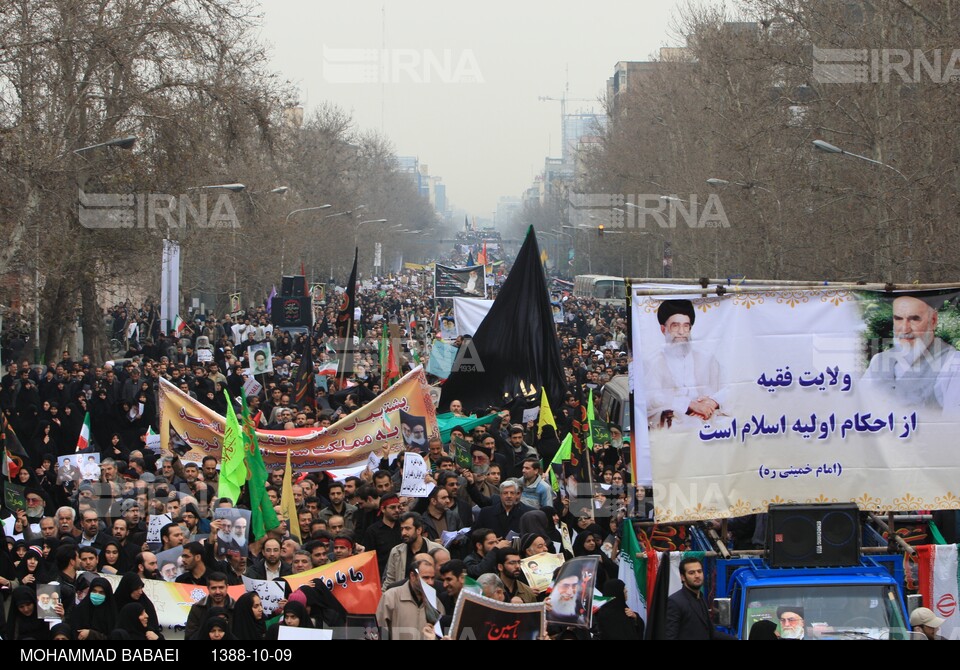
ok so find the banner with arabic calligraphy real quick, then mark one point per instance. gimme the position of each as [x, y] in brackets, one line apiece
[811, 395]
[173, 601]
[354, 581]
[479, 618]
[346, 443]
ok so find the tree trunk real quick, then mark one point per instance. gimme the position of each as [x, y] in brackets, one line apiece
[95, 342]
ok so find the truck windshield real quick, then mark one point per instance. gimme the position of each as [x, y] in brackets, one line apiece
[829, 611]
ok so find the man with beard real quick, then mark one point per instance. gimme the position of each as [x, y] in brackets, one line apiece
[565, 606]
[147, 566]
[911, 370]
[683, 385]
[688, 614]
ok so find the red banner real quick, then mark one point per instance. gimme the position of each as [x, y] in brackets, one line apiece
[354, 581]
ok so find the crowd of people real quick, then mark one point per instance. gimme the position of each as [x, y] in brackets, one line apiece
[73, 531]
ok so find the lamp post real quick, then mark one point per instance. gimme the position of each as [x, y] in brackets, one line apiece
[749, 185]
[833, 149]
[356, 233]
[666, 257]
[118, 142]
[283, 246]
[882, 230]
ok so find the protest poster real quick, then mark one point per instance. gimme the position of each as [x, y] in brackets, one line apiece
[173, 601]
[354, 581]
[14, 497]
[414, 471]
[459, 282]
[170, 563]
[232, 537]
[270, 592]
[796, 395]
[48, 597]
[155, 524]
[539, 570]
[571, 599]
[479, 618]
[461, 453]
[189, 426]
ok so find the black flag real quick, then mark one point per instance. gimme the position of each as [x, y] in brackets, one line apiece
[348, 301]
[515, 350]
[656, 626]
[306, 391]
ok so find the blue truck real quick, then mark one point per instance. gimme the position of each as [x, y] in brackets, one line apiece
[860, 602]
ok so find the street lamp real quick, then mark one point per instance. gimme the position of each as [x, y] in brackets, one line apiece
[118, 142]
[235, 188]
[716, 182]
[833, 149]
[356, 233]
[283, 246]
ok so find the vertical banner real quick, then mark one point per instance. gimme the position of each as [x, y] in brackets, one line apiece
[169, 284]
[805, 395]
[377, 255]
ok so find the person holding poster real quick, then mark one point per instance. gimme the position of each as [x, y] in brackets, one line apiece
[917, 370]
[683, 384]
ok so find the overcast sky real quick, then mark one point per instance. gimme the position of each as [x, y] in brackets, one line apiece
[467, 105]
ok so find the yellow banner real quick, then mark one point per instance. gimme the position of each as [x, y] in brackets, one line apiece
[173, 601]
[193, 430]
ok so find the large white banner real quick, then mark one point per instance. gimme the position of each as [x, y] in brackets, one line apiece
[469, 313]
[806, 396]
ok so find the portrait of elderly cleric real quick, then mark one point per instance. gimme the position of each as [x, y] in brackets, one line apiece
[683, 383]
[918, 369]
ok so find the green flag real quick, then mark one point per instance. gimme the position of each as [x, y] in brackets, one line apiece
[233, 473]
[633, 570]
[461, 453]
[598, 431]
[556, 465]
[14, 497]
[264, 517]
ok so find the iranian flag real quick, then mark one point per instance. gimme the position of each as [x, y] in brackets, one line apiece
[633, 571]
[178, 324]
[939, 580]
[84, 442]
[328, 369]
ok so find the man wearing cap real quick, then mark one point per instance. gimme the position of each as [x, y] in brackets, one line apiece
[925, 621]
[916, 370]
[683, 385]
[384, 535]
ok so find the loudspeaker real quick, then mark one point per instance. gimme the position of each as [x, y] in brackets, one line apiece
[293, 286]
[291, 311]
[813, 535]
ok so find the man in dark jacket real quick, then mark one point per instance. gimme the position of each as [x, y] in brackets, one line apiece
[504, 515]
[688, 615]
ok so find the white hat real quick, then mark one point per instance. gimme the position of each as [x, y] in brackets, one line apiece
[925, 617]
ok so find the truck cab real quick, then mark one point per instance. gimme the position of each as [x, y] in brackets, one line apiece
[860, 602]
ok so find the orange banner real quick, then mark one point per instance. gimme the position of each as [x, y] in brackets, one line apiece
[354, 581]
[193, 430]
